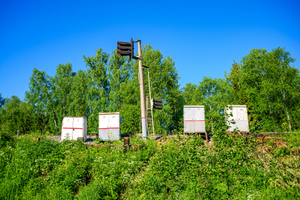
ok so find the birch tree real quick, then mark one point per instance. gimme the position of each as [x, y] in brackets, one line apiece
[79, 93]
[61, 89]
[98, 90]
[164, 80]
[269, 86]
[40, 101]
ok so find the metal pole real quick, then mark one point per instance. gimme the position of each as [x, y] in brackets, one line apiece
[142, 93]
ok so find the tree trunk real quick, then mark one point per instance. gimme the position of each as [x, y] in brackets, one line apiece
[286, 110]
[211, 121]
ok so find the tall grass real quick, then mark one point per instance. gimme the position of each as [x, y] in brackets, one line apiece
[181, 167]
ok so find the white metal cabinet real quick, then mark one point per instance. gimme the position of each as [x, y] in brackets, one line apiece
[73, 128]
[239, 116]
[194, 119]
[109, 126]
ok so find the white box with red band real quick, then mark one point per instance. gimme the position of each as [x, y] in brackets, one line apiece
[74, 128]
[194, 119]
[109, 126]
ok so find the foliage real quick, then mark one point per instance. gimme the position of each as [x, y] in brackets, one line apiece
[181, 167]
[47, 169]
[15, 115]
[40, 102]
[214, 94]
[2, 100]
[264, 81]
[186, 168]
[110, 84]
[268, 84]
[98, 89]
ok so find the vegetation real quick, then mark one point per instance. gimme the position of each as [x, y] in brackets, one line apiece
[264, 81]
[178, 167]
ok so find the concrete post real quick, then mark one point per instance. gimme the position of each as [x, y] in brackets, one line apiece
[142, 93]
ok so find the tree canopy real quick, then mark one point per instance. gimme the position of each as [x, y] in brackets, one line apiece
[265, 81]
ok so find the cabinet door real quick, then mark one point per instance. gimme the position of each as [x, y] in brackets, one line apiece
[114, 122]
[199, 120]
[242, 119]
[241, 114]
[103, 122]
[103, 127]
[77, 128]
[67, 130]
[198, 115]
[189, 125]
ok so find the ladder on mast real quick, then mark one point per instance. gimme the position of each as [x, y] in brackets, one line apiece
[150, 121]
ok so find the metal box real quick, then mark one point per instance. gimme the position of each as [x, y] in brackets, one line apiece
[73, 128]
[239, 116]
[194, 119]
[109, 126]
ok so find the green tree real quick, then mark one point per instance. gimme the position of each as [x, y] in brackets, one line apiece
[16, 115]
[39, 99]
[120, 73]
[214, 95]
[2, 100]
[283, 85]
[124, 92]
[98, 89]
[131, 107]
[189, 94]
[79, 93]
[236, 89]
[164, 84]
[268, 85]
[61, 89]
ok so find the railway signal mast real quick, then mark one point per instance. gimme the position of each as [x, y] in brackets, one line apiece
[127, 49]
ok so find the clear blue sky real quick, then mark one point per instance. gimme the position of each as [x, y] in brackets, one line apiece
[202, 37]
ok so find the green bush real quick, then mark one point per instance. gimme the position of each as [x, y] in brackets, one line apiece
[181, 167]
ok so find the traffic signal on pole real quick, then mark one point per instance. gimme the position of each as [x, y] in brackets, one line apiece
[126, 49]
[157, 104]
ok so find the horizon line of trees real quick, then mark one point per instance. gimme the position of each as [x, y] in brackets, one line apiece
[264, 81]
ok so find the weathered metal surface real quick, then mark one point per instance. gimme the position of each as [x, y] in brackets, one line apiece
[126, 140]
[109, 126]
[239, 119]
[126, 144]
[73, 128]
[126, 49]
[194, 119]
[157, 104]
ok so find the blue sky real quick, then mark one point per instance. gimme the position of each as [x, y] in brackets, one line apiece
[202, 37]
